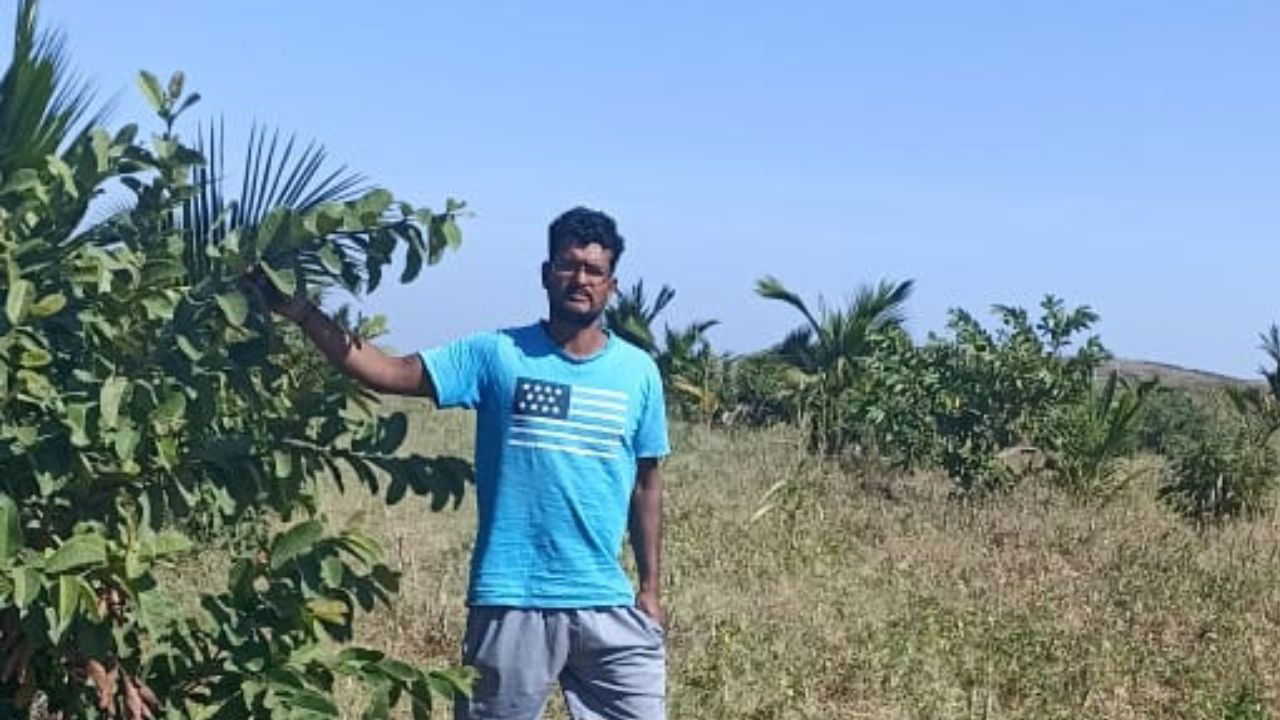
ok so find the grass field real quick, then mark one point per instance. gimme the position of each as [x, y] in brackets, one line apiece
[866, 596]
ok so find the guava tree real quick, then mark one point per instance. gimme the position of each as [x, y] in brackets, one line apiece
[152, 412]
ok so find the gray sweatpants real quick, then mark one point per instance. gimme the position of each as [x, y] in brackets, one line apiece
[610, 662]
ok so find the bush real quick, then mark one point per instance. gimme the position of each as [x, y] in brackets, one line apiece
[990, 391]
[145, 391]
[1170, 417]
[1085, 442]
[1227, 472]
[761, 391]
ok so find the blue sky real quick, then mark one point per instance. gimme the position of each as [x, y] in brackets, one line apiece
[1120, 154]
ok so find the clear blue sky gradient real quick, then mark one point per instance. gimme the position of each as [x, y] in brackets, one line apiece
[1120, 154]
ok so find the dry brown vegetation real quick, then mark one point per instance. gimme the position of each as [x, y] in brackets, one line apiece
[862, 595]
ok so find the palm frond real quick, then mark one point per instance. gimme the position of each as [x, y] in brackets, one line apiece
[773, 289]
[277, 173]
[632, 316]
[878, 307]
[43, 108]
[797, 349]
[1271, 346]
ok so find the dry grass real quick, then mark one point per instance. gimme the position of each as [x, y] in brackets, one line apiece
[883, 598]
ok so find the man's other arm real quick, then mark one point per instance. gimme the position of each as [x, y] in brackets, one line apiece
[404, 375]
[646, 537]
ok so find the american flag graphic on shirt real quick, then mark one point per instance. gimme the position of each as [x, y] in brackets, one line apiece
[572, 419]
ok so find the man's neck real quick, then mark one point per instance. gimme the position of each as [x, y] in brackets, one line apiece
[577, 340]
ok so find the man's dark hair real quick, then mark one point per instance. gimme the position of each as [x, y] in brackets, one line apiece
[582, 226]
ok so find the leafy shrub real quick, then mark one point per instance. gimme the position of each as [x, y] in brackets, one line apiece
[1226, 472]
[761, 390]
[1247, 703]
[1086, 441]
[892, 403]
[1170, 417]
[145, 391]
[995, 390]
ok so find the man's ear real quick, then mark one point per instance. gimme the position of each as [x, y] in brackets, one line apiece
[546, 273]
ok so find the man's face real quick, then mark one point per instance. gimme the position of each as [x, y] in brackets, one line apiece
[579, 282]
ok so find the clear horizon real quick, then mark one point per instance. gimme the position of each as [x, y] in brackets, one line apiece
[1121, 155]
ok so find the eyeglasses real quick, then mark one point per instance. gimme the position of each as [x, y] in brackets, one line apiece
[592, 274]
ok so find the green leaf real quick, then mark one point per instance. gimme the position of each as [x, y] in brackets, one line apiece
[18, 300]
[379, 706]
[10, 527]
[159, 306]
[27, 584]
[69, 595]
[135, 564]
[240, 580]
[395, 427]
[21, 181]
[362, 546]
[375, 202]
[328, 610]
[359, 655]
[452, 682]
[78, 420]
[170, 542]
[175, 84]
[332, 571]
[295, 541]
[399, 670]
[62, 170]
[283, 462]
[109, 398]
[172, 408]
[285, 280]
[452, 234]
[35, 358]
[101, 143]
[412, 263]
[89, 550]
[313, 704]
[330, 259]
[49, 305]
[234, 305]
[151, 90]
[127, 439]
[421, 707]
[188, 348]
[162, 270]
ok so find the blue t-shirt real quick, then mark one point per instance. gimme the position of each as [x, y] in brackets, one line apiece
[557, 438]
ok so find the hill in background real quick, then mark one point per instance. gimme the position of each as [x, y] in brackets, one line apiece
[1173, 375]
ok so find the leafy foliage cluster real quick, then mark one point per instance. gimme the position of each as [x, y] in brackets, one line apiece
[147, 402]
[988, 406]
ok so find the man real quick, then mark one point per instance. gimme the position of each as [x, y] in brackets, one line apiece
[570, 427]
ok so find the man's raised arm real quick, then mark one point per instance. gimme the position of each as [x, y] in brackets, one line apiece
[362, 361]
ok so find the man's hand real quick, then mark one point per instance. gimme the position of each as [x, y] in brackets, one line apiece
[295, 308]
[650, 604]
[645, 522]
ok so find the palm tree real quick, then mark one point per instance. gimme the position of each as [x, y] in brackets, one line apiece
[1271, 346]
[693, 373]
[44, 114]
[42, 109]
[827, 350]
[631, 315]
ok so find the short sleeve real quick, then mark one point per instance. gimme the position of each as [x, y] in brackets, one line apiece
[651, 434]
[457, 369]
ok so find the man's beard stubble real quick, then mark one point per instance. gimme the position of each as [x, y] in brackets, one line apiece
[581, 320]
